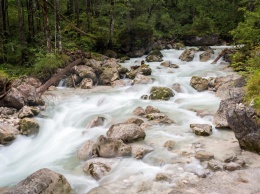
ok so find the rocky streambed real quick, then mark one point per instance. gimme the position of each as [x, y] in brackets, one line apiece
[156, 129]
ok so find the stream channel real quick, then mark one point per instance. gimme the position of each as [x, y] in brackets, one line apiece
[69, 110]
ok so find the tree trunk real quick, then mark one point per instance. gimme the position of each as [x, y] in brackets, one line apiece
[58, 25]
[46, 24]
[36, 7]
[30, 19]
[112, 22]
[58, 76]
[2, 29]
[21, 28]
[88, 11]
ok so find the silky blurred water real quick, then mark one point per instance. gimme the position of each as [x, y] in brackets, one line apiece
[70, 110]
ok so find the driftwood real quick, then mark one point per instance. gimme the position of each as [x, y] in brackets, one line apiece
[58, 76]
[220, 55]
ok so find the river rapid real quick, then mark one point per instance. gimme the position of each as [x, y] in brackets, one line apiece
[69, 110]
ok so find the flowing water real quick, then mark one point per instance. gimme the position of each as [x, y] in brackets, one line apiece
[70, 110]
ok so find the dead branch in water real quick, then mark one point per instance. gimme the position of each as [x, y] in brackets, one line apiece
[58, 76]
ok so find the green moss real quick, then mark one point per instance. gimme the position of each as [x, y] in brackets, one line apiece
[160, 93]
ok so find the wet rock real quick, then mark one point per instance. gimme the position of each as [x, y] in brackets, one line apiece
[28, 126]
[200, 173]
[96, 122]
[122, 70]
[207, 40]
[7, 111]
[188, 55]
[139, 111]
[232, 166]
[235, 159]
[87, 150]
[140, 150]
[205, 56]
[110, 148]
[141, 79]
[159, 118]
[118, 83]
[203, 155]
[86, 83]
[136, 121]
[126, 132]
[201, 129]
[160, 93]
[154, 56]
[42, 181]
[169, 64]
[98, 167]
[162, 177]
[26, 111]
[151, 109]
[52, 88]
[170, 144]
[244, 122]
[142, 69]
[220, 117]
[198, 83]
[215, 165]
[177, 87]
[7, 134]
[144, 97]
[108, 76]
[84, 71]
[27, 80]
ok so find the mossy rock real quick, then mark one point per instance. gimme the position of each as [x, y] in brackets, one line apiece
[29, 126]
[160, 93]
[155, 56]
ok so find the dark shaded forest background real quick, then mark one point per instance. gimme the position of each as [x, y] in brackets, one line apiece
[35, 35]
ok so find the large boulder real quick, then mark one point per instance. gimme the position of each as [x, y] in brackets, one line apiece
[7, 111]
[188, 55]
[43, 181]
[96, 122]
[21, 95]
[27, 80]
[244, 122]
[126, 132]
[27, 111]
[84, 71]
[28, 126]
[220, 117]
[142, 79]
[154, 56]
[139, 111]
[160, 93]
[87, 150]
[199, 83]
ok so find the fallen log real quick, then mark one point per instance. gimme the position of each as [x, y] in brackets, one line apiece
[220, 55]
[58, 76]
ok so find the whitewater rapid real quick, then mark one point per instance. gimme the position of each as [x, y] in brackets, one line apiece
[69, 110]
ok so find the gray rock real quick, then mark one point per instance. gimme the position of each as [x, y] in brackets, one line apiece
[110, 148]
[188, 55]
[136, 121]
[159, 118]
[43, 181]
[243, 121]
[198, 83]
[87, 150]
[140, 150]
[162, 177]
[98, 167]
[177, 87]
[154, 56]
[26, 111]
[205, 56]
[142, 79]
[151, 109]
[220, 117]
[7, 134]
[118, 83]
[201, 129]
[139, 111]
[7, 111]
[126, 132]
[232, 166]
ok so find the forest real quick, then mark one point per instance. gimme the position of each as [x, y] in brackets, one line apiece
[35, 35]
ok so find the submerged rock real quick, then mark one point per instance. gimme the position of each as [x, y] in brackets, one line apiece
[154, 56]
[170, 144]
[159, 118]
[205, 56]
[151, 109]
[96, 122]
[141, 79]
[43, 181]
[7, 134]
[139, 111]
